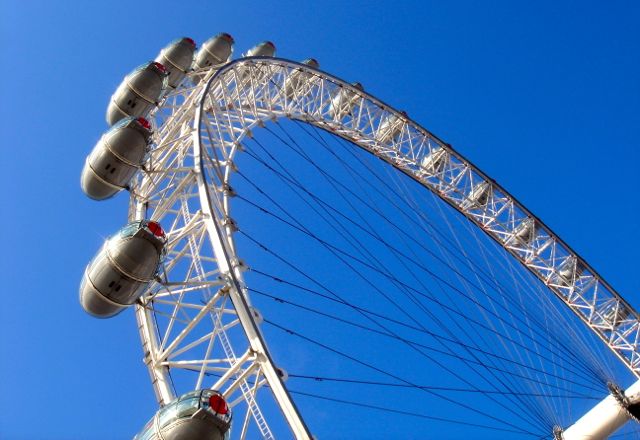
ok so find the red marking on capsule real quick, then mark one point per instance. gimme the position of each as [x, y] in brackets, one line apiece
[156, 229]
[217, 403]
[269, 43]
[227, 36]
[144, 123]
[160, 67]
[190, 41]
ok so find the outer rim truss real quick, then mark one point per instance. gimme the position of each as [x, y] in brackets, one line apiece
[193, 161]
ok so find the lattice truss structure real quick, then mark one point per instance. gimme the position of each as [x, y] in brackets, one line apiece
[198, 317]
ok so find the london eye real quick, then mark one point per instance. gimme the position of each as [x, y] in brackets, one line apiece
[286, 228]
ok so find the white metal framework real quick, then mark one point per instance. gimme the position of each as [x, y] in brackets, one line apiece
[186, 183]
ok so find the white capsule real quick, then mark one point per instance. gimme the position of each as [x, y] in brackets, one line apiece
[177, 58]
[569, 271]
[390, 128]
[215, 52]
[479, 195]
[297, 79]
[264, 49]
[343, 102]
[202, 415]
[115, 158]
[526, 231]
[122, 269]
[138, 93]
[433, 162]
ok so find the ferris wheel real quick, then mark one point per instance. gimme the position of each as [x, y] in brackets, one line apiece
[184, 128]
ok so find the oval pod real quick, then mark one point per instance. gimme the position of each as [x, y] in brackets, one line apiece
[264, 49]
[295, 82]
[177, 58]
[343, 102]
[202, 414]
[215, 51]
[122, 269]
[115, 158]
[138, 93]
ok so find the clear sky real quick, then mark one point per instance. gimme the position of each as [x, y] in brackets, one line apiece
[542, 96]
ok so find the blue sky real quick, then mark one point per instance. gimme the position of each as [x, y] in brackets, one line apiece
[542, 96]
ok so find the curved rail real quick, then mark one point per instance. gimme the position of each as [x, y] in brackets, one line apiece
[212, 111]
[249, 91]
[219, 234]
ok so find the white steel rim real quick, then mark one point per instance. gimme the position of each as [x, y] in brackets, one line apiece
[193, 160]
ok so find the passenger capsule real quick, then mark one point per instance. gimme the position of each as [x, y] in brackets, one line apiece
[342, 104]
[296, 81]
[264, 49]
[201, 415]
[612, 314]
[479, 195]
[138, 93]
[123, 268]
[177, 58]
[390, 128]
[433, 162]
[525, 232]
[115, 158]
[216, 51]
[569, 271]
[311, 62]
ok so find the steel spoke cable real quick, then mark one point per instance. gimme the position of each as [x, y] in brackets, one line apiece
[262, 209]
[433, 387]
[481, 324]
[391, 375]
[417, 211]
[414, 207]
[494, 309]
[543, 299]
[301, 152]
[386, 408]
[400, 230]
[412, 414]
[413, 346]
[552, 317]
[365, 310]
[542, 406]
[596, 370]
[408, 341]
[347, 146]
[495, 282]
[291, 265]
[501, 380]
[372, 320]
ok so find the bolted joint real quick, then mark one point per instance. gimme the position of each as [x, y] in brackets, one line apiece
[230, 223]
[257, 316]
[227, 190]
[238, 263]
[282, 374]
[226, 288]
